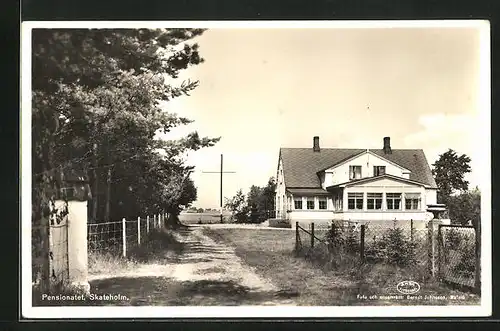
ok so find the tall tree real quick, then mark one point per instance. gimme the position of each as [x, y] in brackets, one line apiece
[97, 96]
[465, 207]
[238, 206]
[449, 171]
[261, 200]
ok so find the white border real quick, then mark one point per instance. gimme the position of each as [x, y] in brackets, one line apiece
[484, 309]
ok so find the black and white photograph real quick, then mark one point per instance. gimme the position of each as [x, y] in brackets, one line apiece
[256, 169]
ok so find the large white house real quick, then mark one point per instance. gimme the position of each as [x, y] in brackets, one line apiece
[353, 184]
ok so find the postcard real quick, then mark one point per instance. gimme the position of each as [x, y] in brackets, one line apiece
[230, 169]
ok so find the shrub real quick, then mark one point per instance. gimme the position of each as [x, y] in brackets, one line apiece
[334, 237]
[351, 243]
[400, 249]
[393, 248]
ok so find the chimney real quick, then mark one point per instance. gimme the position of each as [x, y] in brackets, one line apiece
[316, 144]
[387, 145]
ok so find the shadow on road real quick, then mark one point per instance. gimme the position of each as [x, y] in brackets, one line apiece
[157, 291]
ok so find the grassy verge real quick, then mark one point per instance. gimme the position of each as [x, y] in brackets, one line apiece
[157, 246]
[270, 253]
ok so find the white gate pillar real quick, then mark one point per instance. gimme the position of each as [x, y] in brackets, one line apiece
[76, 191]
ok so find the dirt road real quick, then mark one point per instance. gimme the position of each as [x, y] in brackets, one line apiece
[205, 273]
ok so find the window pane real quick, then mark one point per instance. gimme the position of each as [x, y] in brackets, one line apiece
[322, 204]
[350, 204]
[298, 204]
[370, 203]
[390, 204]
[359, 204]
[378, 204]
[396, 203]
[310, 204]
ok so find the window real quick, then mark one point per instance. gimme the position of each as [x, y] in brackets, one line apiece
[310, 203]
[412, 201]
[374, 201]
[322, 203]
[393, 201]
[298, 203]
[354, 172]
[354, 201]
[378, 170]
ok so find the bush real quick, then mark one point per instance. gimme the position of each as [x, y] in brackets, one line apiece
[394, 248]
[351, 242]
[335, 237]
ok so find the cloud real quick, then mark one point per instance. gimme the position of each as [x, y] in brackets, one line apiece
[440, 132]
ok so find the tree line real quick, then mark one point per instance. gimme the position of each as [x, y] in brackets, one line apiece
[98, 104]
[254, 207]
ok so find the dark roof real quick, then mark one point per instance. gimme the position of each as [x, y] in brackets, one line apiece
[300, 165]
[306, 191]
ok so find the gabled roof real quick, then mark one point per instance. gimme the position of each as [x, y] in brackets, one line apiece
[375, 178]
[300, 165]
[362, 153]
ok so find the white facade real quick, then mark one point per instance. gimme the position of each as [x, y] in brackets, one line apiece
[280, 197]
[384, 198]
[411, 200]
[367, 161]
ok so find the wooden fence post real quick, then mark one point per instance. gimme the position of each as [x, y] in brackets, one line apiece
[139, 230]
[477, 274]
[411, 229]
[312, 235]
[147, 224]
[431, 248]
[440, 250]
[124, 236]
[155, 224]
[297, 238]
[362, 243]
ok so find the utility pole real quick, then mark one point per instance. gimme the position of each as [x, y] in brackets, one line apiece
[221, 172]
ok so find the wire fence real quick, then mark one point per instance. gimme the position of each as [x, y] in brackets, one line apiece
[105, 237]
[448, 253]
[119, 237]
[457, 258]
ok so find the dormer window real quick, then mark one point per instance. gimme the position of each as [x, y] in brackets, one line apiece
[378, 170]
[354, 172]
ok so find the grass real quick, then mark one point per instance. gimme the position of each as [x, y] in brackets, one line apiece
[270, 253]
[158, 246]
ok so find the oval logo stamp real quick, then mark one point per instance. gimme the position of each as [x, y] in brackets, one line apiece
[408, 287]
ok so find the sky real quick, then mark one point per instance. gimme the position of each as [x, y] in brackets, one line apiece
[262, 89]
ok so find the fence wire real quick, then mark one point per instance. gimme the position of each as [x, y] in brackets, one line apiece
[108, 237]
[105, 237]
[457, 259]
[448, 252]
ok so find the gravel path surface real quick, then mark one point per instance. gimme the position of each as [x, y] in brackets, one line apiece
[205, 273]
